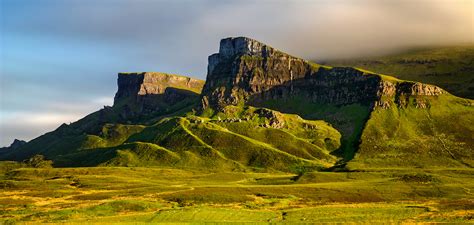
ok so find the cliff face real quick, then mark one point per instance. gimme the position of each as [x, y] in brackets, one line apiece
[139, 85]
[246, 70]
[391, 93]
[338, 86]
[150, 92]
[450, 68]
[244, 67]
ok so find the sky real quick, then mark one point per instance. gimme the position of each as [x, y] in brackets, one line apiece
[59, 59]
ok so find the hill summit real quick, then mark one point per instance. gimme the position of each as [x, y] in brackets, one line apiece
[249, 71]
[263, 109]
[450, 67]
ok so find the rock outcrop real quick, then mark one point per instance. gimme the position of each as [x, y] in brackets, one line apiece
[150, 92]
[275, 119]
[399, 93]
[247, 71]
[244, 67]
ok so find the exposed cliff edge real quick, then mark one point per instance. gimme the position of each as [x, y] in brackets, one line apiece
[246, 70]
[149, 93]
[244, 67]
[449, 67]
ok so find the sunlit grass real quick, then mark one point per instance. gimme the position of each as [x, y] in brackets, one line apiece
[153, 194]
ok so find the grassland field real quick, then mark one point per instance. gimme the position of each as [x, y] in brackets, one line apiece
[139, 195]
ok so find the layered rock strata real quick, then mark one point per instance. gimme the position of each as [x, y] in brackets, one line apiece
[149, 92]
[246, 70]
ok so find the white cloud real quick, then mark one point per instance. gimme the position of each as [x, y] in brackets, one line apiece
[40, 119]
[26, 125]
[104, 101]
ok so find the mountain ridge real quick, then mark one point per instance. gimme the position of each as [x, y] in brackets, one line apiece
[255, 96]
[253, 57]
[449, 67]
[246, 71]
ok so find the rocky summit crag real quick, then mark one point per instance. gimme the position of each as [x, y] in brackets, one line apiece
[148, 93]
[262, 109]
[246, 70]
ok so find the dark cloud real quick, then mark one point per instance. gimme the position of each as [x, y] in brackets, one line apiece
[186, 32]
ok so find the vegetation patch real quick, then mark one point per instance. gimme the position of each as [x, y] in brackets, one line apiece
[418, 178]
[144, 195]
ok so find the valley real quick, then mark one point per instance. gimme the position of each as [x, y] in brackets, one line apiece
[138, 195]
[267, 137]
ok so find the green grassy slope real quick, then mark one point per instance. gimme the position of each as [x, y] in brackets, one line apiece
[105, 128]
[442, 134]
[244, 143]
[230, 143]
[451, 68]
[242, 137]
[439, 136]
[349, 119]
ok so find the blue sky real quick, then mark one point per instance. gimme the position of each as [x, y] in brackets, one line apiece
[59, 58]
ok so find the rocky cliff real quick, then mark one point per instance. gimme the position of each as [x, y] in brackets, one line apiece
[246, 70]
[449, 67]
[151, 92]
[244, 67]
[399, 92]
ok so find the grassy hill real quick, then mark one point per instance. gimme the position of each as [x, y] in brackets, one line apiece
[451, 68]
[223, 142]
[439, 136]
[413, 131]
[279, 113]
